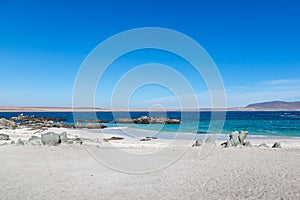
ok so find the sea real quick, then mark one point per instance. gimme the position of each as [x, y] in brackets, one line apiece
[279, 123]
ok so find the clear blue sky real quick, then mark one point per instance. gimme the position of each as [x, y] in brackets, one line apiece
[255, 44]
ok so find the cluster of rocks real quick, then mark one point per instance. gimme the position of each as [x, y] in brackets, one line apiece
[208, 140]
[49, 139]
[7, 124]
[42, 123]
[236, 139]
[148, 120]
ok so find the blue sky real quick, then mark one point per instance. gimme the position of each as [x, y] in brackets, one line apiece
[255, 45]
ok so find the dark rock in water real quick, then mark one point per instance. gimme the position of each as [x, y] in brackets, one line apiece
[4, 136]
[201, 132]
[276, 145]
[198, 143]
[90, 125]
[263, 145]
[148, 120]
[50, 139]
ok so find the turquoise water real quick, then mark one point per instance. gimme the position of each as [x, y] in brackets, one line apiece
[257, 123]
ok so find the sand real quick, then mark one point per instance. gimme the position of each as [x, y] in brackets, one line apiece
[155, 169]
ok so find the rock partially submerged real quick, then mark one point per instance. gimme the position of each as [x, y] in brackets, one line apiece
[90, 125]
[236, 139]
[148, 120]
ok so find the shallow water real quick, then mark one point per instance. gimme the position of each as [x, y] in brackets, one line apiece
[257, 123]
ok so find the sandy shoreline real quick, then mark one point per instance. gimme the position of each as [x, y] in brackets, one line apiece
[104, 170]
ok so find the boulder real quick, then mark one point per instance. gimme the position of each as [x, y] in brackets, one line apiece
[50, 139]
[34, 141]
[19, 142]
[276, 145]
[64, 137]
[4, 136]
[236, 138]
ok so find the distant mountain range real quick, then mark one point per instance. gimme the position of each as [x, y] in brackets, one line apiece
[275, 105]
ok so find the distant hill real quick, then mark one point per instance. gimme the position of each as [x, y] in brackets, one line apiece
[276, 105]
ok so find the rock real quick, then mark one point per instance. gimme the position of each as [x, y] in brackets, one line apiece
[154, 138]
[50, 139]
[4, 136]
[145, 139]
[5, 123]
[34, 141]
[19, 142]
[78, 140]
[235, 139]
[226, 144]
[148, 120]
[90, 125]
[198, 143]
[276, 145]
[242, 136]
[112, 138]
[64, 137]
[247, 144]
[263, 145]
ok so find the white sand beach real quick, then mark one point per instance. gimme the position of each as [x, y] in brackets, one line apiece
[105, 170]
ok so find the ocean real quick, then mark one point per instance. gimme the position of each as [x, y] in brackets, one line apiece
[281, 123]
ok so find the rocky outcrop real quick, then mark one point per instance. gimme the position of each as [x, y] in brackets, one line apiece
[236, 139]
[148, 120]
[7, 124]
[42, 123]
[90, 125]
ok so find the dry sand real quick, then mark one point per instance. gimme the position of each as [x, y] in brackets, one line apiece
[81, 171]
